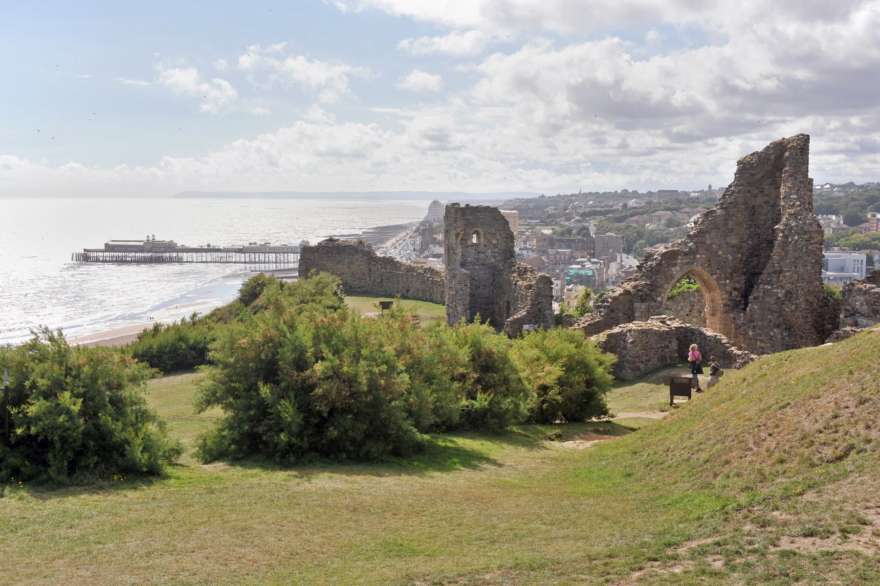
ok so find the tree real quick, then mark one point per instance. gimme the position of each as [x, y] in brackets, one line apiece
[853, 218]
[583, 305]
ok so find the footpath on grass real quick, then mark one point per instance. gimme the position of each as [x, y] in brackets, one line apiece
[633, 405]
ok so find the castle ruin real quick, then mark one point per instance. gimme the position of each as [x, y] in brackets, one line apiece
[483, 278]
[363, 272]
[757, 256]
[643, 347]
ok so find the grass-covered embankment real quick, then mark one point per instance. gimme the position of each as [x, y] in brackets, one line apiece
[770, 477]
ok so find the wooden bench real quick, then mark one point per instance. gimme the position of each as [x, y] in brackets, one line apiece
[680, 386]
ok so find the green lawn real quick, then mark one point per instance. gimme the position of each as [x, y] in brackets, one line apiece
[769, 478]
[426, 312]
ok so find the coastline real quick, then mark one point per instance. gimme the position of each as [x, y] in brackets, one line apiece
[112, 338]
[379, 235]
[122, 335]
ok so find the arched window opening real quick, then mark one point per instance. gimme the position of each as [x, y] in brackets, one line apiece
[475, 237]
[695, 298]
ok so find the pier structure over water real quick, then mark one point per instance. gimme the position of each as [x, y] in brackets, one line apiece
[152, 251]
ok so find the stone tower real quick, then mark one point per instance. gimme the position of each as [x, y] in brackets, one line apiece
[483, 278]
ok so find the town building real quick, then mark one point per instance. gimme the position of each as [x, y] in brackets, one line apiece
[608, 245]
[843, 267]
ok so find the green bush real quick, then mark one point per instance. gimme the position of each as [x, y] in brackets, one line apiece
[307, 377]
[437, 366]
[684, 285]
[251, 289]
[174, 347]
[496, 395]
[833, 293]
[584, 303]
[76, 414]
[567, 373]
[299, 375]
[187, 344]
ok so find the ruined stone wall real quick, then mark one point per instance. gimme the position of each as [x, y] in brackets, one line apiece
[363, 272]
[860, 307]
[533, 300]
[643, 347]
[689, 307]
[757, 256]
[482, 276]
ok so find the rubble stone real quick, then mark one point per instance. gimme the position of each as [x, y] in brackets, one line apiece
[757, 256]
[689, 307]
[861, 303]
[643, 347]
[363, 272]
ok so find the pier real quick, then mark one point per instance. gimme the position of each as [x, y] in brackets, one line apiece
[152, 251]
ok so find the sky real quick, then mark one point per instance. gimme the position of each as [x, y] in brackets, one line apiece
[544, 96]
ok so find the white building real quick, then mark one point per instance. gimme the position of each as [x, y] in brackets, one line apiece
[843, 267]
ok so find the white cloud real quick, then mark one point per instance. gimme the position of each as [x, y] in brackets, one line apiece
[221, 65]
[460, 13]
[132, 82]
[330, 81]
[214, 95]
[457, 44]
[602, 113]
[421, 81]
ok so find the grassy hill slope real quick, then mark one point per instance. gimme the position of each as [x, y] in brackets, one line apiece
[771, 477]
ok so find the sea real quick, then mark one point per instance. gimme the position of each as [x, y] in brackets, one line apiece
[41, 286]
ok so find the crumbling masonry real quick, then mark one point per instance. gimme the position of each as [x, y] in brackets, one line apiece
[483, 278]
[643, 347]
[363, 272]
[757, 256]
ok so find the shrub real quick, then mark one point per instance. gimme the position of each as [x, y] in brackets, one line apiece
[174, 347]
[684, 285]
[307, 377]
[583, 305]
[832, 293]
[76, 414]
[186, 344]
[437, 366]
[568, 374]
[251, 289]
[496, 396]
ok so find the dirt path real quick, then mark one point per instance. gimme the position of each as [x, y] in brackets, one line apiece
[641, 415]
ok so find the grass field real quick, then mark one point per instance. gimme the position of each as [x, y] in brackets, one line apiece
[769, 478]
[426, 312]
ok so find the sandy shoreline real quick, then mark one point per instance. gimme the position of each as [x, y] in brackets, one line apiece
[379, 235]
[112, 338]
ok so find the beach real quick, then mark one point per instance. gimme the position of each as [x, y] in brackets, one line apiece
[112, 338]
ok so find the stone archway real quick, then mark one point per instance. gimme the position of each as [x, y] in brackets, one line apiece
[714, 315]
[757, 253]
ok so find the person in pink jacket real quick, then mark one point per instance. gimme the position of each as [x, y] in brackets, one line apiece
[695, 359]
